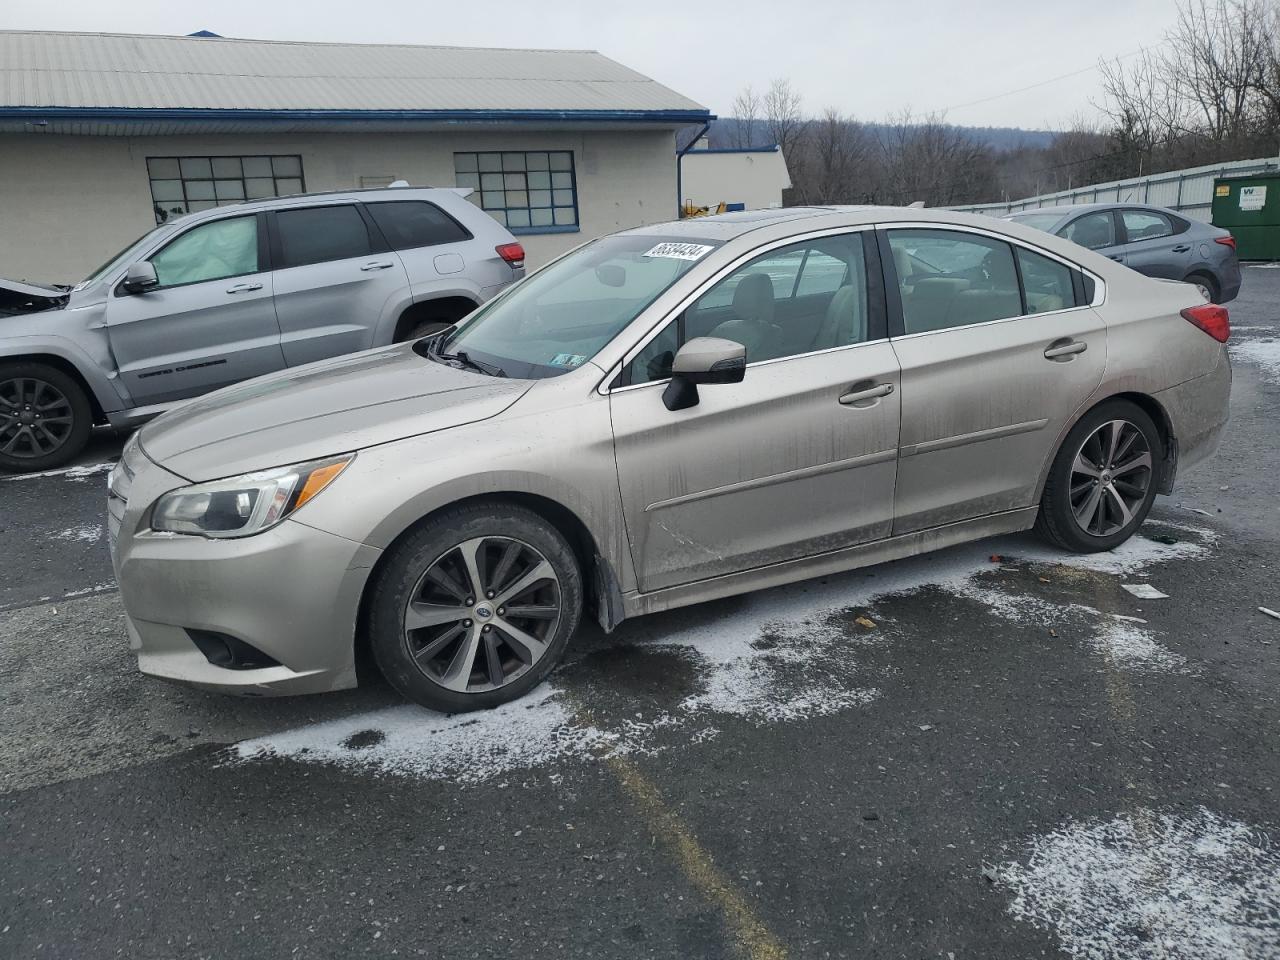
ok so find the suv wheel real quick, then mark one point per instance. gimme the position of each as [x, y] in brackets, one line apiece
[45, 417]
[1103, 480]
[475, 607]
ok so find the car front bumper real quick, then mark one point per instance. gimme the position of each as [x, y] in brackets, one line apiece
[292, 593]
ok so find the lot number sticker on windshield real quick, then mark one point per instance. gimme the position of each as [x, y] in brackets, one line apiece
[680, 251]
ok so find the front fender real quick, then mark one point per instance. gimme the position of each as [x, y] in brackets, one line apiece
[95, 368]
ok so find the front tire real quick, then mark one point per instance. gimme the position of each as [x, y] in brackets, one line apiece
[474, 607]
[45, 417]
[1103, 479]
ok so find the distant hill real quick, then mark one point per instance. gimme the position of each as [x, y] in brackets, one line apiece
[1002, 139]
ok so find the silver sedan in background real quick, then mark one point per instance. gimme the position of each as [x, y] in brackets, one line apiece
[664, 416]
[1152, 240]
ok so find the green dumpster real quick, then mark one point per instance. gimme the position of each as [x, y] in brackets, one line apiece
[1250, 208]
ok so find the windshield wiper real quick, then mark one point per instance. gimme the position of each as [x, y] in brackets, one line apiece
[461, 359]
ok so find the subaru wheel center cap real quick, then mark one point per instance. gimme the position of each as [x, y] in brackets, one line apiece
[484, 612]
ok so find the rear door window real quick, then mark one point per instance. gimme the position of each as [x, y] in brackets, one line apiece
[1092, 231]
[320, 234]
[955, 279]
[1145, 225]
[407, 224]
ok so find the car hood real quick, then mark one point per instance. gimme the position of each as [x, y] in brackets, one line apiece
[19, 296]
[334, 406]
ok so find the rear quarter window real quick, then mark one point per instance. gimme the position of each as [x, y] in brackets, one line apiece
[415, 223]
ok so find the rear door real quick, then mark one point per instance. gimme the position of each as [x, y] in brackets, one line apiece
[1154, 244]
[798, 458]
[992, 369]
[210, 321]
[335, 280]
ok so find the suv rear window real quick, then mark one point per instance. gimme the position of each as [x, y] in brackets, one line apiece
[415, 223]
[317, 234]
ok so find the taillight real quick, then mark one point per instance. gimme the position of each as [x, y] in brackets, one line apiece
[1227, 241]
[1210, 318]
[513, 253]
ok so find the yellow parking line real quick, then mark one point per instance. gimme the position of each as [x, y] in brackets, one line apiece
[753, 939]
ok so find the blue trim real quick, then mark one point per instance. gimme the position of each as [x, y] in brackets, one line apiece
[533, 231]
[772, 149]
[444, 116]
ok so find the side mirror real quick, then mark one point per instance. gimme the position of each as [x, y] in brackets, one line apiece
[703, 360]
[140, 276]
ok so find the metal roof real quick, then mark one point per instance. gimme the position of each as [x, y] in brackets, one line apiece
[96, 80]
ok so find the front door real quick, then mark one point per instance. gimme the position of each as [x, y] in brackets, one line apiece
[992, 371]
[210, 321]
[335, 280]
[797, 459]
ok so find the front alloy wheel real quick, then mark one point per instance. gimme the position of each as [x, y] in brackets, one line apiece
[45, 417]
[481, 615]
[474, 606]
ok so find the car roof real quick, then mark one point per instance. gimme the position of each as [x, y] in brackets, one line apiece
[1072, 209]
[291, 199]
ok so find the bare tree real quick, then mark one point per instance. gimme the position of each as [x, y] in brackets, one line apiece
[782, 117]
[836, 149]
[746, 110]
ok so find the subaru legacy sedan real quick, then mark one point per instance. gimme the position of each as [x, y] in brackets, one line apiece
[664, 416]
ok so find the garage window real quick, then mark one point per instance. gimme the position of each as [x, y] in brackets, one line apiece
[185, 184]
[525, 191]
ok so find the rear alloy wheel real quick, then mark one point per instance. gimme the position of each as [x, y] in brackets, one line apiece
[475, 608]
[44, 417]
[1103, 481]
[1207, 286]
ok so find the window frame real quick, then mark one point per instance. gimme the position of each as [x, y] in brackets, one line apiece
[893, 293]
[377, 242]
[187, 201]
[264, 254]
[877, 305]
[477, 196]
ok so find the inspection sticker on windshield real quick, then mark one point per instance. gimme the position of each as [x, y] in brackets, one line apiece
[568, 360]
[680, 251]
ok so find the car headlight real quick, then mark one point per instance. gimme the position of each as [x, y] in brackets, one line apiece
[243, 506]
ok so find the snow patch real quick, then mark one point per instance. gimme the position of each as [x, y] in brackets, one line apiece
[1148, 886]
[1264, 352]
[85, 533]
[465, 748]
[68, 473]
[1132, 648]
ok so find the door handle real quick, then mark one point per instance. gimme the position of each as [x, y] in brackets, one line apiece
[1182, 248]
[377, 265]
[1065, 350]
[870, 393]
[244, 287]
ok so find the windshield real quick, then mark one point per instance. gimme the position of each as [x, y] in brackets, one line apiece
[113, 262]
[1037, 221]
[561, 316]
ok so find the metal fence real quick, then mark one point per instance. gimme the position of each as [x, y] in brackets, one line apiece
[1188, 191]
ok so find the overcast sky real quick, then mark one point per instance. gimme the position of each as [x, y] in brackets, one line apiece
[869, 58]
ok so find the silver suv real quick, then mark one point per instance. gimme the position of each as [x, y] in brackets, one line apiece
[223, 295]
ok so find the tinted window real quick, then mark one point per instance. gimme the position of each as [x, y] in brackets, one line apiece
[1047, 283]
[415, 223]
[955, 279]
[211, 251]
[1145, 225]
[1093, 230]
[317, 234]
[797, 299]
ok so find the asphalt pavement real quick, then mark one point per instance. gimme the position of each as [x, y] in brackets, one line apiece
[997, 751]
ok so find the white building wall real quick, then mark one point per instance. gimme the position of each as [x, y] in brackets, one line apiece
[68, 203]
[753, 178]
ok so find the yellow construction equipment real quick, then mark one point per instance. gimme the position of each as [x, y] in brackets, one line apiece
[689, 210]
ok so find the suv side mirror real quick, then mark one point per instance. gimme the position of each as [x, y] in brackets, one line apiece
[703, 360]
[140, 276]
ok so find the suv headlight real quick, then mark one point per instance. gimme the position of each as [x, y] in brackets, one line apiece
[243, 506]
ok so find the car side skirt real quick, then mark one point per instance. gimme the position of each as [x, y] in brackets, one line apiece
[837, 561]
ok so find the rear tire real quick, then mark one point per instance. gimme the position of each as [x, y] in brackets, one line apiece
[1103, 479]
[449, 622]
[45, 417]
[1207, 284]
